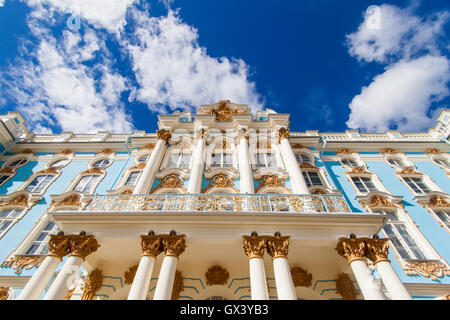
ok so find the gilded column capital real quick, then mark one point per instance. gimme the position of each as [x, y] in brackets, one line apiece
[151, 245]
[92, 284]
[378, 249]
[283, 133]
[174, 245]
[83, 245]
[58, 246]
[163, 135]
[352, 248]
[277, 246]
[254, 246]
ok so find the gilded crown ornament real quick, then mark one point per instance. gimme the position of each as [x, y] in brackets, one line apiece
[377, 249]
[174, 245]
[58, 246]
[254, 246]
[151, 245]
[164, 135]
[277, 246]
[351, 248]
[217, 275]
[82, 245]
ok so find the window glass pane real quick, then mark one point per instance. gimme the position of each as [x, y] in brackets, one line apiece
[301, 157]
[228, 160]
[216, 159]
[442, 162]
[3, 178]
[4, 224]
[33, 249]
[315, 179]
[89, 188]
[260, 160]
[49, 226]
[395, 242]
[305, 176]
[349, 162]
[173, 161]
[17, 163]
[144, 158]
[39, 183]
[185, 159]
[271, 160]
[132, 178]
[59, 163]
[101, 163]
[443, 215]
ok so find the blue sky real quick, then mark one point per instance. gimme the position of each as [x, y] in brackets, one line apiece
[86, 66]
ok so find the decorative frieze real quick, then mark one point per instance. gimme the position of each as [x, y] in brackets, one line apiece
[20, 262]
[92, 284]
[429, 269]
[217, 275]
[301, 277]
[345, 287]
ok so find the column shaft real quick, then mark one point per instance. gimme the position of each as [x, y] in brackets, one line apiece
[258, 282]
[146, 178]
[142, 278]
[295, 174]
[195, 179]
[245, 170]
[65, 279]
[37, 283]
[365, 280]
[166, 278]
[283, 279]
[391, 281]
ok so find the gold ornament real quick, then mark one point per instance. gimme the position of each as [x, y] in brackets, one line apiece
[92, 284]
[351, 248]
[164, 135]
[23, 262]
[438, 201]
[72, 200]
[82, 245]
[301, 277]
[427, 269]
[58, 246]
[277, 247]
[178, 285]
[129, 275]
[217, 275]
[174, 245]
[4, 293]
[379, 201]
[377, 249]
[151, 245]
[283, 133]
[345, 287]
[254, 246]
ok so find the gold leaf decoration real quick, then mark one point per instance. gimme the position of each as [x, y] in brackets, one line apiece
[301, 277]
[217, 275]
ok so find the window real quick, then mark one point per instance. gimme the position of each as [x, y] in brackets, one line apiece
[40, 243]
[396, 162]
[132, 178]
[144, 158]
[267, 160]
[312, 179]
[443, 215]
[416, 184]
[87, 183]
[3, 178]
[364, 184]
[179, 160]
[348, 162]
[39, 183]
[401, 239]
[302, 158]
[441, 162]
[17, 163]
[8, 218]
[59, 163]
[100, 164]
[221, 160]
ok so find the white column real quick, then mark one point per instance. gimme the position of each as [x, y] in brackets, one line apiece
[283, 279]
[295, 174]
[164, 286]
[366, 281]
[196, 177]
[245, 170]
[146, 178]
[391, 281]
[258, 282]
[37, 283]
[65, 279]
[142, 279]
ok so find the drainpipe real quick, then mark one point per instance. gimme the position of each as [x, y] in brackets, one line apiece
[127, 141]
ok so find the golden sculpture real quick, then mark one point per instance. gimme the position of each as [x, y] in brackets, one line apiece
[82, 245]
[93, 171]
[283, 133]
[4, 293]
[149, 146]
[58, 246]
[345, 287]
[428, 269]
[221, 181]
[23, 262]
[19, 200]
[105, 151]
[129, 275]
[174, 245]
[66, 152]
[178, 285]
[151, 245]
[298, 146]
[92, 284]
[345, 151]
[69, 293]
[301, 277]
[438, 201]
[217, 275]
[358, 170]
[277, 246]
[72, 200]
[254, 246]
[379, 201]
[351, 248]
[409, 171]
[378, 249]
[164, 135]
[433, 151]
[6, 170]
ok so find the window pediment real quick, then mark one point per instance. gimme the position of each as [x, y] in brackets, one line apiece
[434, 199]
[377, 199]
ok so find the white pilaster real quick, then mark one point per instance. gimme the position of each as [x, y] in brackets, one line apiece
[245, 170]
[195, 179]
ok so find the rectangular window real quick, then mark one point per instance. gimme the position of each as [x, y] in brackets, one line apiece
[364, 184]
[416, 184]
[221, 160]
[267, 160]
[8, 218]
[179, 160]
[312, 179]
[39, 183]
[40, 243]
[132, 178]
[402, 241]
[87, 183]
[301, 158]
[444, 216]
[3, 178]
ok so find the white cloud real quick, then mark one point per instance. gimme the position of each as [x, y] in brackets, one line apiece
[401, 96]
[108, 14]
[400, 34]
[173, 70]
[2, 3]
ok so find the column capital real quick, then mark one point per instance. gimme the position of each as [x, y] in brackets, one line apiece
[83, 245]
[277, 246]
[352, 248]
[174, 245]
[151, 245]
[254, 246]
[58, 246]
[378, 249]
[283, 133]
[241, 134]
[163, 134]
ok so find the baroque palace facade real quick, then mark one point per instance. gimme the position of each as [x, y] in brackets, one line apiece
[224, 204]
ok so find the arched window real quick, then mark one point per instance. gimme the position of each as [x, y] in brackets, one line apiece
[396, 162]
[17, 163]
[4, 178]
[302, 158]
[133, 178]
[143, 158]
[349, 162]
[87, 183]
[59, 163]
[101, 164]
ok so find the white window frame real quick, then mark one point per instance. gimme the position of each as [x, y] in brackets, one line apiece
[128, 176]
[308, 179]
[367, 190]
[349, 159]
[13, 220]
[93, 187]
[8, 175]
[301, 155]
[53, 161]
[265, 153]
[42, 244]
[223, 154]
[444, 223]
[102, 160]
[422, 178]
[15, 159]
[437, 158]
[396, 162]
[180, 154]
[34, 177]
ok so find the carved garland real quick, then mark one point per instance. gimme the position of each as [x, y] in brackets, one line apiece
[219, 181]
[272, 181]
[432, 270]
[23, 262]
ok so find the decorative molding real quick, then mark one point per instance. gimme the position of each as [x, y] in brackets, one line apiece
[93, 171]
[428, 269]
[391, 151]
[379, 201]
[217, 275]
[219, 181]
[433, 151]
[345, 287]
[301, 277]
[69, 293]
[358, 170]
[23, 262]
[72, 200]
[298, 146]
[92, 284]
[105, 151]
[139, 166]
[223, 112]
[129, 275]
[438, 201]
[254, 246]
[409, 171]
[7, 170]
[178, 285]
[66, 152]
[19, 200]
[48, 171]
[345, 151]
[149, 146]
[58, 246]
[272, 181]
[277, 246]
[306, 165]
[27, 151]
